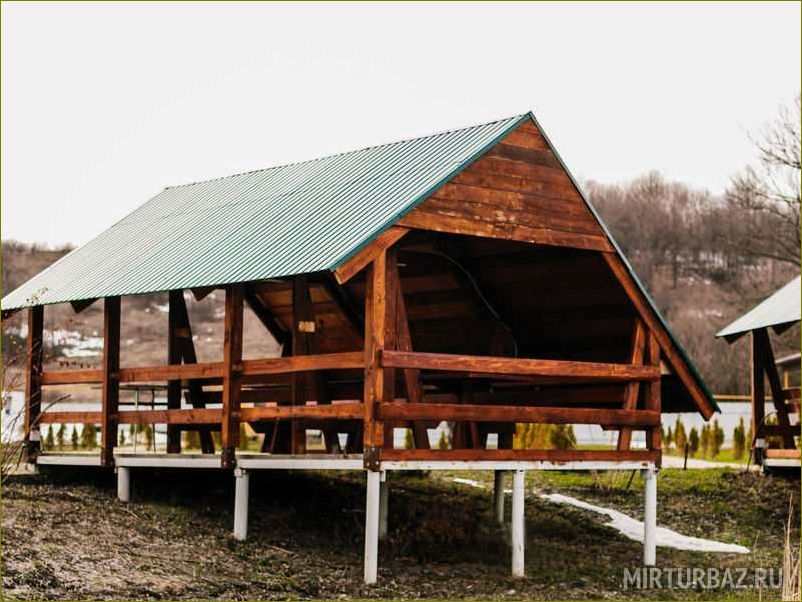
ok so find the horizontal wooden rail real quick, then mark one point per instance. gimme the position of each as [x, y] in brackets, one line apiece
[195, 416]
[69, 418]
[303, 363]
[213, 370]
[338, 411]
[494, 413]
[516, 366]
[532, 455]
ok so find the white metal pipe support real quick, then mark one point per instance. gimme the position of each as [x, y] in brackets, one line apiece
[650, 516]
[372, 506]
[123, 483]
[241, 487]
[518, 495]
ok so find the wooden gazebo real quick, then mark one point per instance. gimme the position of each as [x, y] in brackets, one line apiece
[779, 312]
[459, 277]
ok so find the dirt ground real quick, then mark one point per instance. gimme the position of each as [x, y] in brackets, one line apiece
[65, 536]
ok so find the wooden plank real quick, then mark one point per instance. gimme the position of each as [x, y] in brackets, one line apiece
[493, 413]
[337, 411]
[411, 376]
[232, 359]
[523, 367]
[369, 253]
[303, 363]
[163, 373]
[633, 388]
[786, 454]
[532, 455]
[71, 417]
[71, 377]
[543, 236]
[110, 386]
[777, 395]
[647, 314]
[34, 352]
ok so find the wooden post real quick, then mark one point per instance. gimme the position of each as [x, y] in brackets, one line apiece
[632, 389]
[174, 355]
[654, 435]
[777, 394]
[380, 297]
[232, 366]
[758, 391]
[110, 387]
[33, 381]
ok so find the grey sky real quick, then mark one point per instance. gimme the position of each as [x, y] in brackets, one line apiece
[105, 104]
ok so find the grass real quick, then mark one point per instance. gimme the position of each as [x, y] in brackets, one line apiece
[306, 536]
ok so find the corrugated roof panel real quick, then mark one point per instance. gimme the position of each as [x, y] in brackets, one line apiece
[783, 307]
[293, 219]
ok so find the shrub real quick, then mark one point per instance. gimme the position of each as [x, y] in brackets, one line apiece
[739, 439]
[693, 441]
[680, 439]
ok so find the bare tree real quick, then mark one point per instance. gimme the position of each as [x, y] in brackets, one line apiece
[766, 196]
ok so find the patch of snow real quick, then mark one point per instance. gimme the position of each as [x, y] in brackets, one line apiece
[633, 529]
[165, 309]
[469, 482]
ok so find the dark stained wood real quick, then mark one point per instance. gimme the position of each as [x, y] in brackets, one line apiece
[647, 314]
[110, 386]
[303, 363]
[633, 388]
[494, 413]
[757, 385]
[412, 380]
[71, 417]
[517, 366]
[174, 357]
[79, 306]
[232, 360]
[369, 253]
[207, 370]
[652, 400]
[33, 379]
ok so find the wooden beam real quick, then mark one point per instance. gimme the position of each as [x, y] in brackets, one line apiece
[200, 293]
[505, 231]
[374, 249]
[524, 367]
[110, 386]
[653, 324]
[531, 455]
[633, 388]
[412, 380]
[337, 411]
[182, 371]
[303, 363]
[777, 394]
[71, 377]
[266, 317]
[493, 413]
[204, 416]
[232, 358]
[34, 352]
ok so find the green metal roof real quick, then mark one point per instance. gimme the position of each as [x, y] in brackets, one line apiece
[294, 219]
[779, 310]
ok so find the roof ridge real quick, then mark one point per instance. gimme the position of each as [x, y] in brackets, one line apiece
[349, 152]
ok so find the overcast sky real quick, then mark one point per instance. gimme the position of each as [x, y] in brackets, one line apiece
[104, 105]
